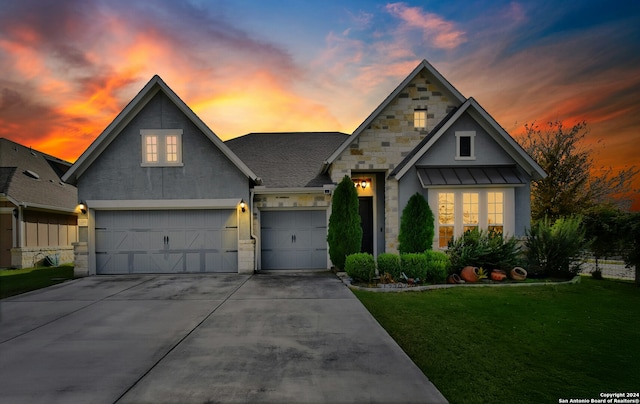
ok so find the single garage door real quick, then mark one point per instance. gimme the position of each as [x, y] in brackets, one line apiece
[294, 239]
[166, 241]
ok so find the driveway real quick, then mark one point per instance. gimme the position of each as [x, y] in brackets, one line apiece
[275, 337]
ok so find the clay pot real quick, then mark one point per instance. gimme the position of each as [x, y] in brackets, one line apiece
[454, 278]
[469, 274]
[518, 274]
[498, 275]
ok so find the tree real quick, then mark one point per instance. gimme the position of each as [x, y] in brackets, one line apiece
[571, 186]
[603, 227]
[345, 232]
[416, 226]
[630, 227]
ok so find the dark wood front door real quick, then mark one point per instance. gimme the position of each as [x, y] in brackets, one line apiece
[366, 221]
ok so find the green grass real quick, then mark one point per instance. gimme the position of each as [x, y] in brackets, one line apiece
[16, 281]
[519, 345]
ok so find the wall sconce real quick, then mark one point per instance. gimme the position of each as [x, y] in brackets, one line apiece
[82, 207]
[362, 183]
[243, 205]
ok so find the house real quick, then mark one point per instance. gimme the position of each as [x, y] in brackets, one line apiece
[38, 221]
[165, 194]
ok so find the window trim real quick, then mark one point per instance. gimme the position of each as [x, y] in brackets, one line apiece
[471, 135]
[421, 111]
[161, 145]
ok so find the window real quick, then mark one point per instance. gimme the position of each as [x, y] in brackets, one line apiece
[420, 119]
[495, 211]
[161, 147]
[465, 147]
[470, 209]
[446, 218]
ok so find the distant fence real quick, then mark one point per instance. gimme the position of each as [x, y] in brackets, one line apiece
[610, 268]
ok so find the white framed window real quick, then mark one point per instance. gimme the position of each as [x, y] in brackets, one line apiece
[495, 211]
[161, 147]
[470, 210]
[465, 145]
[460, 210]
[420, 119]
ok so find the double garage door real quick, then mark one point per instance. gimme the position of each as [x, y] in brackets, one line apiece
[294, 239]
[166, 241]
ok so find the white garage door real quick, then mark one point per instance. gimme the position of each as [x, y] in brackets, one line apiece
[166, 241]
[294, 239]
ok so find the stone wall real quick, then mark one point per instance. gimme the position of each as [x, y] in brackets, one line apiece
[246, 256]
[29, 257]
[390, 138]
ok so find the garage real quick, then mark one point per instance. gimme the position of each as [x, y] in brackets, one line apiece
[166, 241]
[294, 239]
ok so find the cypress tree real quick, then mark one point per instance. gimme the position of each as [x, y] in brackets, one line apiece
[345, 232]
[416, 226]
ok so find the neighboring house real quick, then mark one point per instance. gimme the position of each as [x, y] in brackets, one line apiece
[37, 210]
[165, 194]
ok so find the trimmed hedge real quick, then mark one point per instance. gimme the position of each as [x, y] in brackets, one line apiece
[414, 265]
[389, 263]
[360, 267]
[437, 266]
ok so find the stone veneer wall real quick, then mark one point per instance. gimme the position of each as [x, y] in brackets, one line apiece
[246, 256]
[389, 139]
[28, 257]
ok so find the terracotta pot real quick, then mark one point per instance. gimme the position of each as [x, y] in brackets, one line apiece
[454, 278]
[518, 274]
[498, 275]
[469, 274]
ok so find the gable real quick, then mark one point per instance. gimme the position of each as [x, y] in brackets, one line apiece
[153, 87]
[391, 124]
[496, 145]
[118, 172]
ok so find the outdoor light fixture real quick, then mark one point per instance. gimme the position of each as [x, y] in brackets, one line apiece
[243, 205]
[82, 207]
[363, 184]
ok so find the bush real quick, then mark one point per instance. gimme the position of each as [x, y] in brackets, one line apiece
[416, 226]
[360, 267]
[553, 250]
[414, 265]
[389, 263]
[437, 266]
[484, 249]
[345, 233]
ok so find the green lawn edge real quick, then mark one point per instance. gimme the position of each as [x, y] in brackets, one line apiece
[17, 281]
[518, 345]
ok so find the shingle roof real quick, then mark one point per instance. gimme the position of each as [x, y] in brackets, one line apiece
[17, 180]
[287, 160]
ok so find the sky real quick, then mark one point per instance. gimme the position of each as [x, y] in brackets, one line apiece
[69, 67]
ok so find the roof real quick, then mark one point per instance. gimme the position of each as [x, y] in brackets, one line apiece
[492, 127]
[32, 178]
[483, 175]
[154, 85]
[424, 65]
[288, 160]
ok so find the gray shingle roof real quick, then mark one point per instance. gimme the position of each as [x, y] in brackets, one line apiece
[287, 160]
[17, 164]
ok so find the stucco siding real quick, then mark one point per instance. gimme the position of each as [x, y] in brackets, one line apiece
[206, 172]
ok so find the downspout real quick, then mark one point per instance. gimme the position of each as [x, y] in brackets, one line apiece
[251, 231]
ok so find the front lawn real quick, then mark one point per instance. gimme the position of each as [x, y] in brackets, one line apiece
[519, 345]
[16, 281]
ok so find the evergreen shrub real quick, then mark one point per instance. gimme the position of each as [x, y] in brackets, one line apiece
[360, 267]
[389, 263]
[414, 265]
[416, 226]
[345, 233]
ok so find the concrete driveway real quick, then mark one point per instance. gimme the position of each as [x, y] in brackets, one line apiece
[275, 337]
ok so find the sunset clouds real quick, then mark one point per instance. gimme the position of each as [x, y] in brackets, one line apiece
[69, 67]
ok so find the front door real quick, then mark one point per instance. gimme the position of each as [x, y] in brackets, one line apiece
[366, 221]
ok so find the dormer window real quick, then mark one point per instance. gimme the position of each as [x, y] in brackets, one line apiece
[161, 147]
[420, 119]
[465, 147]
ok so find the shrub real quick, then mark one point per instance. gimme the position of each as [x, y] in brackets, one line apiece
[486, 249]
[360, 266]
[345, 233]
[416, 226]
[553, 250]
[414, 265]
[437, 266]
[389, 263]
